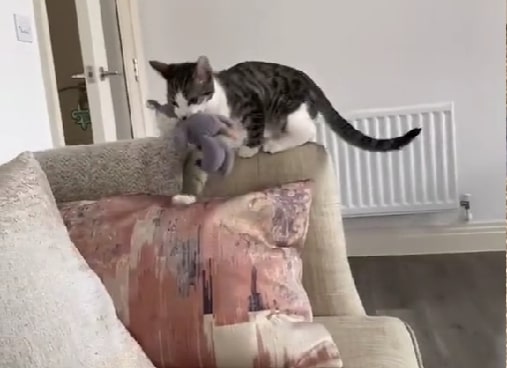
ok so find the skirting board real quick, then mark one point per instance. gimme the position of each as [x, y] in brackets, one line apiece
[429, 240]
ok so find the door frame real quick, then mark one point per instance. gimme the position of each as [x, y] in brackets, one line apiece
[134, 64]
[129, 25]
[48, 72]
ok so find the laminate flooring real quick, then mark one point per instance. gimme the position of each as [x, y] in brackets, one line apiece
[455, 303]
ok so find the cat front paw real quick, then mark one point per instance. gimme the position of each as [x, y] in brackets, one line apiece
[272, 146]
[183, 199]
[247, 152]
[152, 104]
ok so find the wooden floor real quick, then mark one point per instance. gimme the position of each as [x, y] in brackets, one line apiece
[455, 303]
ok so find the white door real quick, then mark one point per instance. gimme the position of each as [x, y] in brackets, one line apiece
[92, 61]
[96, 72]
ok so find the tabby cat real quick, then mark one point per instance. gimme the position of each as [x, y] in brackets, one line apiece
[274, 106]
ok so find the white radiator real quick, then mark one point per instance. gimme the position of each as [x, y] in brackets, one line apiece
[422, 177]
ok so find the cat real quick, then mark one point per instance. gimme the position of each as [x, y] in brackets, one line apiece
[275, 106]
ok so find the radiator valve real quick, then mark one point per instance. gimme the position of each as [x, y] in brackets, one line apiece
[465, 203]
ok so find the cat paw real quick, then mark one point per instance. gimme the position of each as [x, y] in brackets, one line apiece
[247, 152]
[183, 199]
[272, 147]
[152, 104]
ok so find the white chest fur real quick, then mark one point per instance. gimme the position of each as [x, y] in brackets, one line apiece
[218, 105]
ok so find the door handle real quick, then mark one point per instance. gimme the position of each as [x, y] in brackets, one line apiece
[87, 74]
[103, 74]
[78, 76]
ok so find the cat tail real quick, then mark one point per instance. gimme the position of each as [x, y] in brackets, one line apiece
[355, 137]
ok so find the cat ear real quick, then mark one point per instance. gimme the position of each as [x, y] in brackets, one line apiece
[203, 71]
[160, 67]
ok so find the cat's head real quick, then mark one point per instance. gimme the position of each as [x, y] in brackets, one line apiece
[189, 85]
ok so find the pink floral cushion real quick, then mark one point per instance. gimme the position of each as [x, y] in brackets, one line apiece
[213, 284]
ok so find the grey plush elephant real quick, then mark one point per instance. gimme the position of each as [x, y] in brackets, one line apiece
[205, 132]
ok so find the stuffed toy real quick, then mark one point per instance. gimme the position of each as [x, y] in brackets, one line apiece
[207, 133]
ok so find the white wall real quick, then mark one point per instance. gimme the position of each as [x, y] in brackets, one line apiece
[366, 54]
[24, 119]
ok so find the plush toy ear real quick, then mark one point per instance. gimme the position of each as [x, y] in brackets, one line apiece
[161, 68]
[203, 70]
[213, 154]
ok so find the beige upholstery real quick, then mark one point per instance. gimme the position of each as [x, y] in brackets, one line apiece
[379, 342]
[54, 311]
[124, 167]
[326, 273]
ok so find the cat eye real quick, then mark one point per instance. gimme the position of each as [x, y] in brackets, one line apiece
[175, 104]
[192, 101]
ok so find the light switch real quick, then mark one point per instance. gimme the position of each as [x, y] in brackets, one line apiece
[23, 24]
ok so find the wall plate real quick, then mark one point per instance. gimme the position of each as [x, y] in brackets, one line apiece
[24, 30]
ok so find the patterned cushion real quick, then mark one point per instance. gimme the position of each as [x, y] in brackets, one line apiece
[54, 311]
[214, 284]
